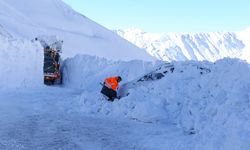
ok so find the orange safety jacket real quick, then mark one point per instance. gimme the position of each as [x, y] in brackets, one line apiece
[112, 83]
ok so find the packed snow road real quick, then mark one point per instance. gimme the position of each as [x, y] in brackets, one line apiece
[51, 119]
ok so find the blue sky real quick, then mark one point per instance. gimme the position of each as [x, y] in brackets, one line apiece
[167, 15]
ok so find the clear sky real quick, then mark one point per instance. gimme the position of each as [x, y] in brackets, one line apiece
[167, 15]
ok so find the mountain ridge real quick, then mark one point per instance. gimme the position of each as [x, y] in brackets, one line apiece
[209, 46]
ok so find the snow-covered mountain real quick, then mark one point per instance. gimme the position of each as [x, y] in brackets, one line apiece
[31, 18]
[197, 46]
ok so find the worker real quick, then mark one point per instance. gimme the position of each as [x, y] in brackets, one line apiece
[110, 87]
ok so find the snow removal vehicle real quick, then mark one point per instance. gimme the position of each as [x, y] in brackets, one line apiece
[52, 59]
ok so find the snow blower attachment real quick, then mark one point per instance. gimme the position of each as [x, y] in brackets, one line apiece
[51, 69]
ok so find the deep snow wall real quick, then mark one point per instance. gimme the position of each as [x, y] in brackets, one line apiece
[21, 63]
[86, 72]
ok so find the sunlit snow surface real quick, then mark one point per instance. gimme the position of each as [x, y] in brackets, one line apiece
[187, 109]
[30, 18]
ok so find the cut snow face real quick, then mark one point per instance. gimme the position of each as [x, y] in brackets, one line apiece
[197, 46]
[80, 34]
[21, 63]
[86, 72]
[201, 98]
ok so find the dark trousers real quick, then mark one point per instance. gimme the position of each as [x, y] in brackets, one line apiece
[110, 93]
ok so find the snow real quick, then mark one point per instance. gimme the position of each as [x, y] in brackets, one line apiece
[86, 72]
[197, 102]
[21, 63]
[212, 105]
[190, 46]
[80, 34]
[215, 104]
[200, 105]
[244, 36]
[50, 118]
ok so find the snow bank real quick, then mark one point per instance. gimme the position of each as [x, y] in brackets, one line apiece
[213, 105]
[86, 72]
[21, 63]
